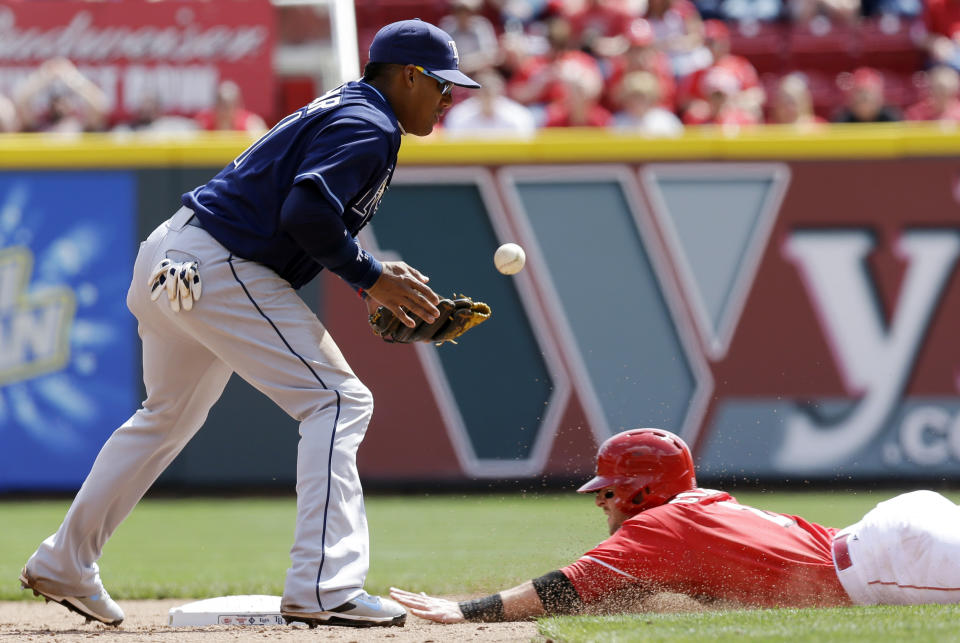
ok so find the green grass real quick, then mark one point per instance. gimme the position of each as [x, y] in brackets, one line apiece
[447, 544]
[917, 624]
[195, 548]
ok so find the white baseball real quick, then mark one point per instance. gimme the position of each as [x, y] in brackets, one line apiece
[509, 258]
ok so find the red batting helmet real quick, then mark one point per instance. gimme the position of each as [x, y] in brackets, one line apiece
[645, 467]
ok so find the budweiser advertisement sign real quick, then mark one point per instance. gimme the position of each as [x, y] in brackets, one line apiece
[176, 52]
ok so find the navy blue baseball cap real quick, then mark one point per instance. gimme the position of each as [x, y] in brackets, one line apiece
[415, 42]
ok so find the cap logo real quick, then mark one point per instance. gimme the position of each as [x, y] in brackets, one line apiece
[456, 54]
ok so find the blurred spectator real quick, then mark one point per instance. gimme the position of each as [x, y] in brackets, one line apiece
[865, 102]
[741, 10]
[514, 14]
[820, 13]
[149, 117]
[641, 114]
[717, 38]
[579, 104]
[722, 105]
[793, 103]
[58, 98]
[228, 112]
[475, 37]
[905, 8]
[596, 25]
[514, 50]
[489, 113]
[678, 30]
[537, 80]
[642, 54]
[941, 102]
[942, 21]
[9, 122]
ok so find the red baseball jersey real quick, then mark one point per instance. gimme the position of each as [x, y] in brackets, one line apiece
[704, 543]
[942, 17]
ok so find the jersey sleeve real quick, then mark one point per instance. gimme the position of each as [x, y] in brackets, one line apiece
[628, 557]
[317, 228]
[345, 156]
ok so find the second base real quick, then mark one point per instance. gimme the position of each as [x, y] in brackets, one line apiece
[243, 610]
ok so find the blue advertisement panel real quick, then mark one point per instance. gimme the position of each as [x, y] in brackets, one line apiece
[68, 344]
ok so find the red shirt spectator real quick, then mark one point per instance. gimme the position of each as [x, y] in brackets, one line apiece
[865, 101]
[720, 107]
[241, 120]
[560, 115]
[717, 38]
[579, 106]
[793, 103]
[693, 87]
[228, 112]
[538, 79]
[926, 110]
[598, 19]
[679, 32]
[641, 55]
[941, 102]
[942, 17]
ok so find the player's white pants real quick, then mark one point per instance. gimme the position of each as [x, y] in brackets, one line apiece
[249, 321]
[905, 551]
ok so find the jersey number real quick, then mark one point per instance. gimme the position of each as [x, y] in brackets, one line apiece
[328, 100]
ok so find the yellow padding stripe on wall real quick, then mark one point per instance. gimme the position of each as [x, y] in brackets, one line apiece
[880, 141]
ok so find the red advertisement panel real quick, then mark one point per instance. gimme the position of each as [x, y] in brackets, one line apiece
[177, 51]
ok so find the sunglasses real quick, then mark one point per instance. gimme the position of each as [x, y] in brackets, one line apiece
[446, 86]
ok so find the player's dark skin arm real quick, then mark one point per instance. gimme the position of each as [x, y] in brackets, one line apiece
[401, 288]
[418, 104]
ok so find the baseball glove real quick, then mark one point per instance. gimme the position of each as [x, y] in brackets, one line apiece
[457, 316]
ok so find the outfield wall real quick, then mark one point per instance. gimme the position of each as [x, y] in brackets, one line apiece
[784, 301]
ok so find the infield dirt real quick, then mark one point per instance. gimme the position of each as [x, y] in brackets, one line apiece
[147, 621]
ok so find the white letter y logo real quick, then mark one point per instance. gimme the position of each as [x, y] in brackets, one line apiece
[872, 359]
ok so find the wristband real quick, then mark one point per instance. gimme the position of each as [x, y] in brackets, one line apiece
[488, 609]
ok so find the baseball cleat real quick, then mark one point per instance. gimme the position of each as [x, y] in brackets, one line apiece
[100, 608]
[361, 611]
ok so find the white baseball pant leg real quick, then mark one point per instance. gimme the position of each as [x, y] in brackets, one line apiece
[905, 551]
[249, 321]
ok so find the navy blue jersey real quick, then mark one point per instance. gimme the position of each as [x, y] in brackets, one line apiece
[344, 143]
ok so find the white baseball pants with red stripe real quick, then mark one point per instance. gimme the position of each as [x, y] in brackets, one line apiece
[247, 321]
[905, 551]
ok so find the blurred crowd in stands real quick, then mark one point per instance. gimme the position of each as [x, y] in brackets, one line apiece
[655, 66]
[643, 66]
[58, 98]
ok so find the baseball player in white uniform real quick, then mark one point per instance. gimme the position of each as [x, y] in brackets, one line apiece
[214, 292]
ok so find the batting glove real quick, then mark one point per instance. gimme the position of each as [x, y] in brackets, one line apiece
[181, 282]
